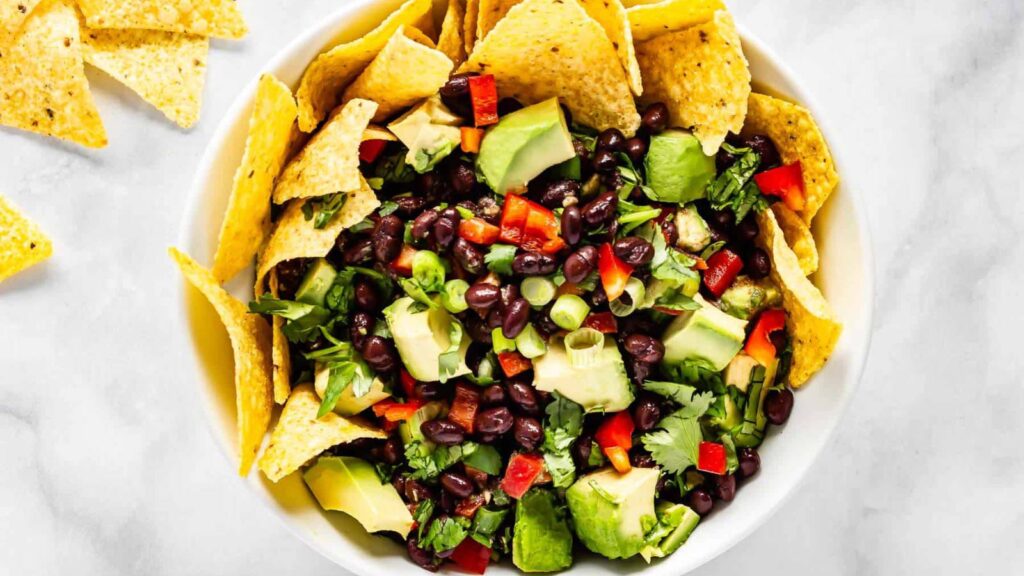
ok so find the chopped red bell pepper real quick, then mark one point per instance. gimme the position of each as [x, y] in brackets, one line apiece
[483, 94]
[392, 411]
[711, 458]
[723, 267]
[759, 344]
[530, 226]
[616, 430]
[463, 410]
[471, 138]
[619, 458]
[369, 150]
[522, 470]
[408, 383]
[403, 264]
[479, 231]
[513, 363]
[786, 182]
[603, 322]
[471, 556]
[613, 271]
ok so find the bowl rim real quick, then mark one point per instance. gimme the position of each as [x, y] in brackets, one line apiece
[360, 563]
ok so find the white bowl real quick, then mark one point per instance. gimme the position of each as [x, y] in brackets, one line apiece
[845, 277]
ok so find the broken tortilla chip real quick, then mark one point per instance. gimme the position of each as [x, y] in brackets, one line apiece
[250, 342]
[166, 69]
[547, 48]
[450, 41]
[280, 355]
[812, 326]
[326, 78]
[300, 436]
[216, 18]
[798, 138]
[330, 161]
[403, 73]
[798, 236]
[650, 19]
[469, 25]
[43, 87]
[22, 243]
[12, 15]
[700, 73]
[247, 219]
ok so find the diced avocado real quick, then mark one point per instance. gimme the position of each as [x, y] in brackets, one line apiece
[738, 372]
[677, 169]
[602, 386]
[746, 297]
[694, 232]
[704, 334]
[541, 541]
[612, 512]
[348, 404]
[317, 281]
[352, 486]
[731, 418]
[522, 145]
[430, 131]
[421, 337]
[682, 519]
[410, 429]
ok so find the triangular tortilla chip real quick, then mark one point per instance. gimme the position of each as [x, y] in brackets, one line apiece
[216, 18]
[402, 74]
[281, 356]
[250, 342]
[299, 436]
[798, 236]
[330, 161]
[42, 79]
[812, 326]
[22, 243]
[547, 48]
[701, 74]
[798, 138]
[247, 219]
[13, 14]
[490, 12]
[450, 41]
[648, 20]
[469, 25]
[328, 75]
[166, 69]
[611, 15]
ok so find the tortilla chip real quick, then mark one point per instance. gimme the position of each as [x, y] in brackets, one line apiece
[166, 69]
[280, 355]
[490, 12]
[295, 237]
[611, 15]
[812, 326]
[299, 436]
[650, 19]
[13, 14]
[247, 219]
[796, 135]
[374, 132]
[250, 342]
[330, 161]
[546, 48]
[469, 25]
[405, 72]
[216, 18]
[798, 237]
[450, 41]
[702, 75]
[22, 243]
[328, 75]
[42, 79]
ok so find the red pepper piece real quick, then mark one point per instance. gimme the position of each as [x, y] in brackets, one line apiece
[513, 363]
[471, 138]
[408, 383]
[513, 219]
[786, 182]
[613, 271]
[464, 407]
[723, 267]
[403, 264]
[522, 470]
[479, 231]
[471, 556]
[530, 226]
[483, 93]
[603, 322]
[619, 458]
[616, 430]
[759, 344]
[711, 458]
[392, 411]
[369, 150]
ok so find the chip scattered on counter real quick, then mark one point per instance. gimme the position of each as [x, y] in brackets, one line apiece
[798, 236]
[648, 20]
[216, 18]
[13, 14]
[450, 40]
[22, 243]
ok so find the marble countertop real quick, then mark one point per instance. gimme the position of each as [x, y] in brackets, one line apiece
[106, 470]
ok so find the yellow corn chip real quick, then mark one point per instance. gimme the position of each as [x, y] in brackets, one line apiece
[42, 79]
[812, 325]
[217, 18]
[280, 355]
[22, 243]
[490, 12]
[796, 135]
[547, 48]
[165, 69]
[798, 236]
[450, 41]
[299, 436]
[404, 73]
[650, 19]
[700, 73]
[13, 14]
[469, 25]
[374, 132]
[295, 237]
[247, 219]
[611, 15]
[330, 161]
[250, 342]
[328, 75]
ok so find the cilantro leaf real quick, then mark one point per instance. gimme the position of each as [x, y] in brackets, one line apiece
[675, 444]
[445, 533]
[340, 376]
[563, 427]
[424, 510]
[393, 169]
[387, 207]
[680, 393]
[304, 320]
[448, 362]
[733, 189]
[499, 259]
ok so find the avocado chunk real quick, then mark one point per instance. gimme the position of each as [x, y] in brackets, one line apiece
[602, 386]
[352, 486]
[612, 512]
[316, 282]
[706, 334]
[541, 541]
[421, 337]
[522, 145]
[739, 371]
[679, 520]
[430, 131]
[348, 404]
[746, 297]
[677, 169]
[694, 232]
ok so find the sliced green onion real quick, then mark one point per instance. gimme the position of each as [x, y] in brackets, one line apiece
[569, 311]
[584, 347]
[428, 271]
[625, 304]
[530, 343]
[453, 297]
[538, 290]
[500, 343]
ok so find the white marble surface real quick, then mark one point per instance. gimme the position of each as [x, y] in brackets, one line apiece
[106, 470]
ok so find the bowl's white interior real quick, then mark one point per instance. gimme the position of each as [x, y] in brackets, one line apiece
[845, 277]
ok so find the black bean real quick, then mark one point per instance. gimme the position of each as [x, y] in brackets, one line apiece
[421, 557]
[468, 256]
[724, 487]
[543, 322]
[409, 206]
[446, 505]
[481, 296]
[289, 277]
[749, 462]
[493, 421]
[646, 414]
[424, 224]
[554, 192]
[723, 160]
[580, 264]
[508, 106]
[494, 318]
[581, 451]
[380, 354]
[443, 432]
[390, 225]
[365, 295]
[429, 391]
[611, 140]
[636, 149]
[747, 230]
[640, 370]
[493, 395]
[489, 210]
[429, 186]
[416, 491]
[766, 149]
[669, 230]
[444, 230]
[478, 330]
[572, 225]
[457, 484]
[723, 220]
[634, 250]
[584, 156]
[758, 264]
[360, 328]
[455, 94]
[509, 294]
[604, 162]
[642, 459]
[359, 252]
[391, 451]
[655, 118]
[600, 209]
[644, 348]
[534, 264]
[522, 394]
[636, 324]
[461, 179]
[516, 316]
[699, 500]
[598, 297]
[778, 405]
[528, 432]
